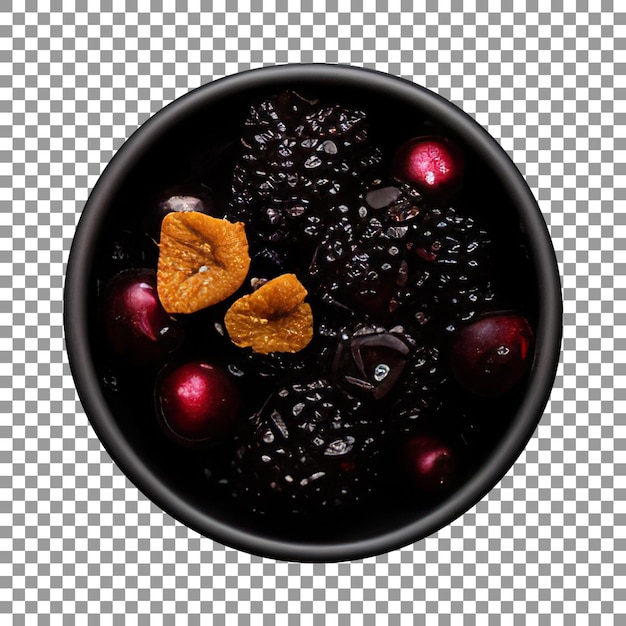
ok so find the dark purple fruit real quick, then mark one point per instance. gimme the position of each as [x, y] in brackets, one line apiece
[423, 390]
[196, 403]
[450, 270]
[136, 326]
[369, 362]
[394, 203]
[430, 463]
[362, 270]
[298, 157]
[433, 164]
[307, 449]
[491, 356]
[362, 262]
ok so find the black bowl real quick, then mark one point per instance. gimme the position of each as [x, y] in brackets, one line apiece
[199, 129]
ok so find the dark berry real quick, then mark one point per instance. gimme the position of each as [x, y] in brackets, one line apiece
[433, 164]
[394, 201]
[136, 326]
[363, 270]
[307, 449]
[362, 261]
[490, 356]
[422, 391]
[332, 251]
[450, 268]
[430, 463]
[370, 361]
[373, 273]
[298, 157]
[196, 403]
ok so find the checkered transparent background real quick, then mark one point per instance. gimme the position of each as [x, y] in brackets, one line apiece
[546, 546]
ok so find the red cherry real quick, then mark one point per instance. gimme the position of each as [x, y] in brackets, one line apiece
[136, 325]
[432, 164]
[490, 356]
[197, 403]
[430, 463]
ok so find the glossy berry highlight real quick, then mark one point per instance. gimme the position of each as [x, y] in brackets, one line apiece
[196, 403]
[491, 356]
[136, 325]
[430, 463]
[434, 165]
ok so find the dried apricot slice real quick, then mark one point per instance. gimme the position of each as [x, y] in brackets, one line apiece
[202, 261]
[274, 318]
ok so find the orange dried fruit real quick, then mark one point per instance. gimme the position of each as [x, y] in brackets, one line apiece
[274, 318]
[202, 261]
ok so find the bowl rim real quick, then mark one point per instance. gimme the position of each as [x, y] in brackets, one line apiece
[548, 335]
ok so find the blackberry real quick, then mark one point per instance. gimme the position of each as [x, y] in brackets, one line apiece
[307, 449]
[332, 251]
[299, 155]
[422, 390]
[394, 202]
[399, 251]
[362, 260]
[450, 267]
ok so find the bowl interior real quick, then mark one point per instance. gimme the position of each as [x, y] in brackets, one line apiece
[194, 141]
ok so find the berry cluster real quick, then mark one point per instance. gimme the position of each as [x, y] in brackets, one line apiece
[405, 319]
